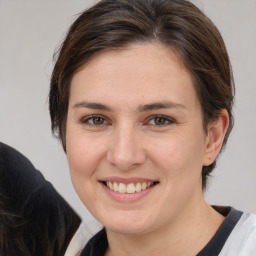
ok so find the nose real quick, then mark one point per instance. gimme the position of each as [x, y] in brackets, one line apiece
[126, 151]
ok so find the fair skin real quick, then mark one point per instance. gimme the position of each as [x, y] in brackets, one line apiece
[134, 118]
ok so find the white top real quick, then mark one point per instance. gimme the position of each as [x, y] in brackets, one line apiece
[242, 240]
[79, 240]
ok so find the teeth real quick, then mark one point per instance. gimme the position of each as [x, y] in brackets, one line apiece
[144, 186]
[138, 187]
[129, 188]
[109, 184]
[115, 187]
[122, 188]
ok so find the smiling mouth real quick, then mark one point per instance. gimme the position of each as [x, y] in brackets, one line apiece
[129, 188]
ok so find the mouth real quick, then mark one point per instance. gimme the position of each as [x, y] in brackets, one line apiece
[130, 188]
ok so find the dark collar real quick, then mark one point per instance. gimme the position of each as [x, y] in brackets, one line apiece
[98, 244]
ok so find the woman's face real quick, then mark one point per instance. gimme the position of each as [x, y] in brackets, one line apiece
[135, 140]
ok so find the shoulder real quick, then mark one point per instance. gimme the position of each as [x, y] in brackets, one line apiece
[242, 240]
[34, 217]
[97, 245]
[79, 240]
[18, 175]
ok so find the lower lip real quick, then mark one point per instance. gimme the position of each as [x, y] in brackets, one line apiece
[126, 197]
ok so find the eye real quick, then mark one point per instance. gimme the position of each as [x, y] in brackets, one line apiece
[94, 120]
[160, 120]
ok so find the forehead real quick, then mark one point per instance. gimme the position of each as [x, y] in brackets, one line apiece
[146, 72]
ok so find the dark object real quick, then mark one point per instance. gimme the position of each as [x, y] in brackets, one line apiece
[34, 218]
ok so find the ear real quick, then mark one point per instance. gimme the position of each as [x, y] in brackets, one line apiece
[215, 137]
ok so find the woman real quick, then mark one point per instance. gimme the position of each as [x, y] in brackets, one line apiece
[141, 98]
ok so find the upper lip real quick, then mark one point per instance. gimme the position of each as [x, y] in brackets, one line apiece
[127, 180]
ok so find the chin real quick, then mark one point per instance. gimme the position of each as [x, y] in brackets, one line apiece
[127, 229]
[127, 224]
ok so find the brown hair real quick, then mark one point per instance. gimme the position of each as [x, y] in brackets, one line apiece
[113, 24]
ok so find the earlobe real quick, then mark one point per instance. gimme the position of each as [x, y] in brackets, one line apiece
[215, 137]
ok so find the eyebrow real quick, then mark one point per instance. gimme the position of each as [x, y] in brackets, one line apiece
[160, 105]
[141, 108]
[92, 105]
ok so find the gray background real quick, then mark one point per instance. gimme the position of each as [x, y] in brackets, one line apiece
[29, 33]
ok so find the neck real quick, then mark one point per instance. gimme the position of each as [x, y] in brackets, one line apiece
[186, 235]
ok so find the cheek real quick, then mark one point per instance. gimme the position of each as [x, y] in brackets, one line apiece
[83, 157]
[178, 156]
[83, 154]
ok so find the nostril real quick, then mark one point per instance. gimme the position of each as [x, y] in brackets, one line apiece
[125, 161]
[125, 152]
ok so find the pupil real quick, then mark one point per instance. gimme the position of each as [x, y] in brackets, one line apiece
[98, 120]
[160, 121]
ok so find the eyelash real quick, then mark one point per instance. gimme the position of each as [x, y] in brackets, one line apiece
[167, 120]
[93, 117]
